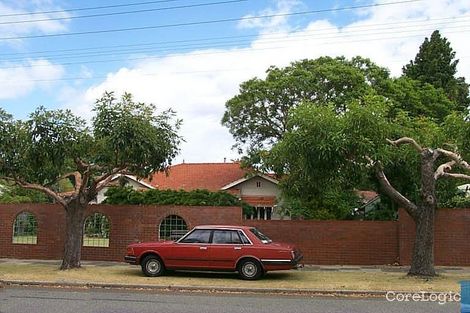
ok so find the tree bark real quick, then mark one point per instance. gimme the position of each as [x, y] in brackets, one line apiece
[74, 220]
[422, 263]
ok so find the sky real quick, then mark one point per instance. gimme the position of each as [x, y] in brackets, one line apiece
[192, 55]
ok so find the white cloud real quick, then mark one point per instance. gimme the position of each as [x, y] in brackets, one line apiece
[198, 84]
[274, 23]
[18, 81]
[13, 25]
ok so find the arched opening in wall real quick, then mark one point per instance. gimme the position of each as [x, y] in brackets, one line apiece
[172, 227]
[96, 231]
[25, 229]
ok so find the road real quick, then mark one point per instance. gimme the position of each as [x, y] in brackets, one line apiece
[32, 300]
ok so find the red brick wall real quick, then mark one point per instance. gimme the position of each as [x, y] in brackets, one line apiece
[337, 242]
[452, 237]
[128, 224]
[322, 242]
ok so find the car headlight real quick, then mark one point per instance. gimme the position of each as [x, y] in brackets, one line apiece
[130, 251]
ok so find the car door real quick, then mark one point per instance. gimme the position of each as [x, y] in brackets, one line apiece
[192, 251]
[226, 248]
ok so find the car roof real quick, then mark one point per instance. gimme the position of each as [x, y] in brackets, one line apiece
[223, 227]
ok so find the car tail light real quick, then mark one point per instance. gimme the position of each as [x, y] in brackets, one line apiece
[130, 251]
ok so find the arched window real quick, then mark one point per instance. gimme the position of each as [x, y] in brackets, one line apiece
[25, 229]
[96, 231]
[172, 227]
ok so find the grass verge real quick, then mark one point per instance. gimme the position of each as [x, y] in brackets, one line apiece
[324, 280]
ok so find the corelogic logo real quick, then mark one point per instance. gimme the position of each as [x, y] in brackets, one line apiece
[465, 296]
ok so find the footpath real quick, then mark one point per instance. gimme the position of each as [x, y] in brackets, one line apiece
[310, 280]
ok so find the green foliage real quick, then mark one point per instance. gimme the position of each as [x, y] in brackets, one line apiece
[325, 155]
[40, 149]
[14, 194]
[435, 64]
[129, 134]
[258, 116]
[419, 99]
[199, 197]
[52, 143]
[457, 201]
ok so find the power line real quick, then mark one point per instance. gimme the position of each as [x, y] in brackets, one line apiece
[415, 22]
[88, 8]
[381, 38]
[208, 21]
[124, 12]
[299, 35]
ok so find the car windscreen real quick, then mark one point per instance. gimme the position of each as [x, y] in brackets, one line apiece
[260, 235]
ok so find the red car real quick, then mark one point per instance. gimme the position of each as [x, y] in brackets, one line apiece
[215, 248]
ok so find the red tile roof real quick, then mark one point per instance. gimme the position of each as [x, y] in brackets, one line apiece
[190, 176]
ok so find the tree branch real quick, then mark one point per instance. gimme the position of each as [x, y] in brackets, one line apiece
[456, 175]
[443, 169]
[45, 190]
[406, 140]
[101, 181]
[396, 196]
[455, 157]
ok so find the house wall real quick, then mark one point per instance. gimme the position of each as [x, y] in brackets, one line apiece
[264, 196]
[248, 188]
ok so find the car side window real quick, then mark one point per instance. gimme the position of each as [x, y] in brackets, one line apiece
[243, 238]
[226, 237]
[198, 236]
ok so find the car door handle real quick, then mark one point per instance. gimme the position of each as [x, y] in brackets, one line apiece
[237, 248]
[202, 248]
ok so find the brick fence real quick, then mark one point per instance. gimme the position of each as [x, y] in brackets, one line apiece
[128, 224]
[337, 242]
[322, 242]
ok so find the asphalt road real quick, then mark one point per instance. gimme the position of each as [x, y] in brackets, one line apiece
[31, 300]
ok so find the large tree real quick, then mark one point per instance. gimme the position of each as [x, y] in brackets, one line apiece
[435, 64]
[326, 153]
[258, 116]
[53, 145]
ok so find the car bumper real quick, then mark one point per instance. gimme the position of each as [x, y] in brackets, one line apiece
[130, 259]
[293, 263]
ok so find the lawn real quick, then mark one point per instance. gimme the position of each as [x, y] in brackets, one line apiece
[325, 280]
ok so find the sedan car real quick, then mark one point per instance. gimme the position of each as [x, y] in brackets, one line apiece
[215, 248]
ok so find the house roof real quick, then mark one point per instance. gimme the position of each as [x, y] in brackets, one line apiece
[191, 176]
[244, 179]
[133, 178]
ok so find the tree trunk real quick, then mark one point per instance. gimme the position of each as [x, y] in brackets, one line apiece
[74, 219]
[422, 263]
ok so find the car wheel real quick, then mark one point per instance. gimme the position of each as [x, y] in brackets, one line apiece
[153, 266]
[250, 269]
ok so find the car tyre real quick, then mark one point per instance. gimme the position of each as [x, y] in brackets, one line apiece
[250, 269]
[153, 266]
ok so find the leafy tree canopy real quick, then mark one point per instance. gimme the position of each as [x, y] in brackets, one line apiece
[435, 64]
[258, 116]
